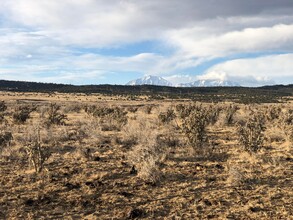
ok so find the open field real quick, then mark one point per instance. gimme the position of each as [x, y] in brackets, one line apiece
[76, 156]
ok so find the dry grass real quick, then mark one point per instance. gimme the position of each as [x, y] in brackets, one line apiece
[142, 168]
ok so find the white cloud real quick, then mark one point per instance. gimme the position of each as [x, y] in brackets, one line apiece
[177, 79]
[43, 38]
[275, 38]
[256, 71]
[77, 69]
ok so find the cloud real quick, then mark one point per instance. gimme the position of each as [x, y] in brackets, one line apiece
[102, 23]
[249, 40]
[177, 79]
[76, 69]
[57, 40]
[257, 71]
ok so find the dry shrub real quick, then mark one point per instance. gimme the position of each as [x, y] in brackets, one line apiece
[132, 109]
[146, 154]
[244, 169]
[37, 155]
[275, 134]
[272, 113]
[285, 123]
[109, 118]
[88, 128]
[147, 109]
[149, 170]
[230, 112]
[2, 119]
[36, 152]
[73, 108]
[55, 117]
[167, 117]
[5, 138]
[251, 134]
[54, 135]
[184, 111]
[22, 113]
[3, 106]
[213, 112]
[194, 123]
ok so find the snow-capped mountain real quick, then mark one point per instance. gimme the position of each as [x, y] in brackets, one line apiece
[159, 81]
[150, 80]
[209, 83]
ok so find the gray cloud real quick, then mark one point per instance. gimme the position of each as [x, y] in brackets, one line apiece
[45, 31]
[104, 23]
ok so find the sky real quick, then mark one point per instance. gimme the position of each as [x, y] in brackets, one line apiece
[115, 41]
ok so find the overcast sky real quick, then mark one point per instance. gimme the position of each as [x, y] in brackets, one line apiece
[114, 41]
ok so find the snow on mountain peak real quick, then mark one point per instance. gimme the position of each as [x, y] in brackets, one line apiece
[159, 81]
[150, 80]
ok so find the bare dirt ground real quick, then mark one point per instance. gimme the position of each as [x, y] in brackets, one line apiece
[89, 173]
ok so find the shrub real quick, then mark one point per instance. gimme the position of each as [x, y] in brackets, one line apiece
[167, 117]
[37, 154]
[73, 108]
[184, 111]
[286, 124]
[132, 109]
[251, 134]
[194, 127]
[148, 109]
[146, 154]
[272, 113]
[213, 114]
[110, 118]
[5, 139]
[3, 106]
[230, 112]
[22, 114]
[55, 116]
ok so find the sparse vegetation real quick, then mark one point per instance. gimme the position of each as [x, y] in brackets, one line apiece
[109, 118]
[128, 156]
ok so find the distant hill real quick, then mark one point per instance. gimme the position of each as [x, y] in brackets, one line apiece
[207, 94]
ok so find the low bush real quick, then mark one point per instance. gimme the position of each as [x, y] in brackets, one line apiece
[22, 113]
[55, 117]
[251, 134]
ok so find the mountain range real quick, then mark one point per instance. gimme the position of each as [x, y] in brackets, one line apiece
[159, 81]
[150, 80]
